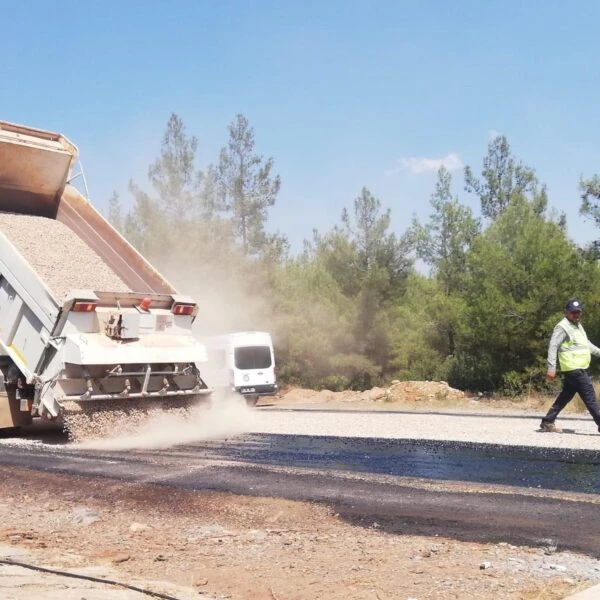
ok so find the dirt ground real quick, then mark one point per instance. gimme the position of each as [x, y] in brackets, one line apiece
[244, 548]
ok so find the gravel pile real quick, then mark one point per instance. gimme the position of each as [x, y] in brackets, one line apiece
[60, 258]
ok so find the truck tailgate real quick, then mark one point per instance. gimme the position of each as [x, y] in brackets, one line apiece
[34, 166]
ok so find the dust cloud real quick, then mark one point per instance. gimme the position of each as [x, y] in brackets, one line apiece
[219, 285]
[226, 416]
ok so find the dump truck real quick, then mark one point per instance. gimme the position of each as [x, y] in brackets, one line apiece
[91, 334]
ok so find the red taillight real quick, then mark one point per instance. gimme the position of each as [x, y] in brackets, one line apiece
[84, 307]
[145, 304]
[183, 309]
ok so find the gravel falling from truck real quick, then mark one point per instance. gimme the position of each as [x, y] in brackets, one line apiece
[222, 418]
[93, 420]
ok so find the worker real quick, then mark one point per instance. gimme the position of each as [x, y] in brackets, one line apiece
[574, 350]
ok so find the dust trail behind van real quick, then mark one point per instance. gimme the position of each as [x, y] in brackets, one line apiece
[242, 362]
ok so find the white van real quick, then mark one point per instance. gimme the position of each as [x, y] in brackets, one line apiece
[242, 362]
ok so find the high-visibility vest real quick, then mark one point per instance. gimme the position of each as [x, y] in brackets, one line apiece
[574, 352]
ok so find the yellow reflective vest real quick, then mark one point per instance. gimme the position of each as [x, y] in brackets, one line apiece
[574, 352]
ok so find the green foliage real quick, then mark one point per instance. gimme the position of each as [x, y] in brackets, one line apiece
[310, 321]
[590, 198]
[519, 274]
[357, 370]
[351, 312]
[444, 241]
[419, 327]
[363, 250]
[503, 178]
[334, 383]
[179, 227]
[524, 381]
[369, 266]
[155, 222]
[173, 174]
[245, 189]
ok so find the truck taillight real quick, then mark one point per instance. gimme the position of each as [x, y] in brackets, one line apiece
[183, 309]
[145, 304]
[84, 307]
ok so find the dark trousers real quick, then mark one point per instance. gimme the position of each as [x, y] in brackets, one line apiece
[575, 382]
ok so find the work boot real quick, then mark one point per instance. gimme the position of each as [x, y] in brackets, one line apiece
[551, 427]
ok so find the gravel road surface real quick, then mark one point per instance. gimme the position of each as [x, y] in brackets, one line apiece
[461, 572]
[512, 429]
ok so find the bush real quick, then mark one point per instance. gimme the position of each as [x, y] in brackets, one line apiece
[335, 383]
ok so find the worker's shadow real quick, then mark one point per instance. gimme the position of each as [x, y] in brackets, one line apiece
[582, 433]
[564, 431]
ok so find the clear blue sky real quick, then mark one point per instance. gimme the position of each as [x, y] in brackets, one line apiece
[342, 94]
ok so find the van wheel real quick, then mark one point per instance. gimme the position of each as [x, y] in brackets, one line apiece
[251, 400]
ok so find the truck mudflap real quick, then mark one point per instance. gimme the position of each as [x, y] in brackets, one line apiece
[11, 415]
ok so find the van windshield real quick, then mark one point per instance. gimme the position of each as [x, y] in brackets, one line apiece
[253, 357]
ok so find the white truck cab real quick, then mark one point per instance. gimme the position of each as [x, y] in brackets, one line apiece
[242, 362]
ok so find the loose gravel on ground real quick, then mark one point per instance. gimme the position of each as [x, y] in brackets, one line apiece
[254, 548]
[477, 426]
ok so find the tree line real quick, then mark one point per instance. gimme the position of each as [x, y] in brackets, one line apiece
[352, 310]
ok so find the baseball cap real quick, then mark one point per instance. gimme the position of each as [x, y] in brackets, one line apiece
[573, 305]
